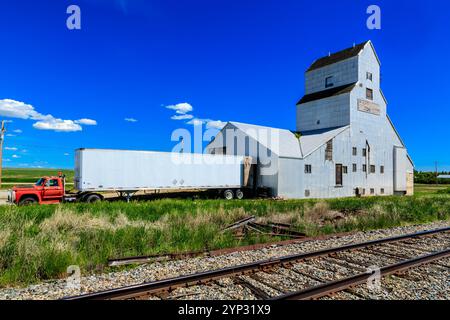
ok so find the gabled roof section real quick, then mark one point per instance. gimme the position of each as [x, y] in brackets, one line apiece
[338, 56]
[327, 93]
[288, 144]
[313, 140]
[282, 142]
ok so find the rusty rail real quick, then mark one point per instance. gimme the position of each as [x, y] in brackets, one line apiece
[342, 284]
[203, 277]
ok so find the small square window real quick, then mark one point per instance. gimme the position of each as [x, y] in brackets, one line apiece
[369, 76]
[364, 152]
[355, 151]
[372, 191]
[363, 191]
[364, 168]
[355, 167]
[372, 169]
[308, 168]
[381, 169]
[329, 82]
[307, 193]
[369, 94]
[345, 169]
[382, 191]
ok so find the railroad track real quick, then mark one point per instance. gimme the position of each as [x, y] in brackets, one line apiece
[290, 277]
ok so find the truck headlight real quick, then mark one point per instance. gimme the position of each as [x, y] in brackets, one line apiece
[11, 196]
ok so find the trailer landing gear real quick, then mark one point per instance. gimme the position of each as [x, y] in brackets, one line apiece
[127, 195]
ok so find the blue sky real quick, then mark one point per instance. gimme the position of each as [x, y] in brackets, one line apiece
[229, 60]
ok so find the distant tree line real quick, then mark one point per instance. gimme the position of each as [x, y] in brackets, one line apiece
[428, 177]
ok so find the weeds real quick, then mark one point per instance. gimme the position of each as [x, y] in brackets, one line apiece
[39, 242]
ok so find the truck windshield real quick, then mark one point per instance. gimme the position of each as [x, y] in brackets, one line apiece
[40, 182]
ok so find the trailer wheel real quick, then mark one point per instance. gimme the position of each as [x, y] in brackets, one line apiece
[26, 201]
[239, 194]
[228, 194]
[92, 198]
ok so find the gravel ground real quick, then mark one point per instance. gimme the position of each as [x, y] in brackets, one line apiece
[434, 285]
[430, 282]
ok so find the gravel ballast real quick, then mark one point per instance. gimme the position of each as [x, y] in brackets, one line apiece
[426, 282]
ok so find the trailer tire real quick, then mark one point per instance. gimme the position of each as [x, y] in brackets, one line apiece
[27, 201]
[239, 194]
[228, 194]
[91, 198]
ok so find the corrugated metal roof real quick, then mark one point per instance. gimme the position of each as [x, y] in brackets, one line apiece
[288, 144]
[312, 140]
[338, 56]
[282, 142]
[327, 93]
[444, 176]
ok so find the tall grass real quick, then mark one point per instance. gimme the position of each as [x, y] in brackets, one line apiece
[40, 242]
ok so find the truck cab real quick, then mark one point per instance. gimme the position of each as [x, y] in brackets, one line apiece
[46, 190]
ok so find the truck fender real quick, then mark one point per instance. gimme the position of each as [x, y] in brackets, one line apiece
[29, 195]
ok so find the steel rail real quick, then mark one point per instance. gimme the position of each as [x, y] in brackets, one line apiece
[342, 284]
[169, 284]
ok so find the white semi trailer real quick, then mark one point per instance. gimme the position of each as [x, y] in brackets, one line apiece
[129, 171]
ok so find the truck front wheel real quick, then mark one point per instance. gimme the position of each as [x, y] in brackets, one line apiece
[92, 198]
[26, 201]
[228, 194]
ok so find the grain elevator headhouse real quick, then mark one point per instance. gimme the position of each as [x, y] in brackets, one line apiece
[344, 144]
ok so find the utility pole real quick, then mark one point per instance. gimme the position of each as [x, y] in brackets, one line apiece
[2, 136]
[436, 171]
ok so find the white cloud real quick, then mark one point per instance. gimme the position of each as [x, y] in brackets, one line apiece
[66, 154]
[217, 124]
[11, 148]
[86, 122]
[15, 156]
[6, 160]
[17, 131]
[130, 119]
[196, 122]
[182, 117]
[10, 135]
[181, 108]
[182, 113]
[57, 125]
[17, 109]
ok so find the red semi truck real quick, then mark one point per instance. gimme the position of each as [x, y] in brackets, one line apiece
[126, 172]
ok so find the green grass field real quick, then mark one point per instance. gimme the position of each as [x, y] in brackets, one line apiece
[424, 189]
[11, 176]
[39, 242]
